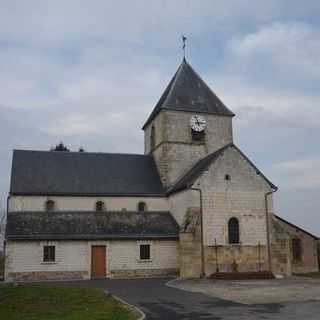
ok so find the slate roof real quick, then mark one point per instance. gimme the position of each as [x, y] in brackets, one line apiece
[194, 173]
[83, 225]
[296, 227]
[188, 92]
[83, 173]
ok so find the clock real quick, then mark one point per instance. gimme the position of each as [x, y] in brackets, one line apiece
[198, 123]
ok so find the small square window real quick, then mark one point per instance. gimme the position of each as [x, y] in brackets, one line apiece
[142, 206]
[49, 253]
[145, 252]
[227, 177]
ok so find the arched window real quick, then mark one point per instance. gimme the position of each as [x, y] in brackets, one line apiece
[153, 138]
[142, 206]
[233, 229]
[100, 206]
[50, 205]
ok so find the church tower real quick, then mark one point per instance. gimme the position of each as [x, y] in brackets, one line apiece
[188, 123]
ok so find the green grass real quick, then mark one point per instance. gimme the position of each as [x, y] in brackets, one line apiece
[35, 302]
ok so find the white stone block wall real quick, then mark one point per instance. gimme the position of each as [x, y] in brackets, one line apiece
[124, 255]
[181, 201]
[176, 152]
[242, 197]
[27, 256]
[37, 203]
[160, 133]
[218, 131]
[248, 208]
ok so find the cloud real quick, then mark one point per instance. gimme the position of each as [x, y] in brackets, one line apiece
[156, 23]
[286, 53]
[298, 174]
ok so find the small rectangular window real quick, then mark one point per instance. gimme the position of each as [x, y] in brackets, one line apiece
[49, 253]
[145, 252]
[296, 249]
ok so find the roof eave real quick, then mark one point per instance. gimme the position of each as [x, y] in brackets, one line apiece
[58, 194]
[295, 226]
[89, 237]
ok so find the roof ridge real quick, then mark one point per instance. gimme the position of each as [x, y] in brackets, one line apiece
[184, 62]
[207, 160]
[86, 174]
[205, 84]
[163, 98]
[209, 156]
[79, 152]
[295, 226]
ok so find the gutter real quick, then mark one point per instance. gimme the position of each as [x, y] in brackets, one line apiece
[5, 239]
[268, 226]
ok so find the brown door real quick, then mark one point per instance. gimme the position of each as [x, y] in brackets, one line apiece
[98, 261]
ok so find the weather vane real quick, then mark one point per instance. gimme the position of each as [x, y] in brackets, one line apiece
[184, 38]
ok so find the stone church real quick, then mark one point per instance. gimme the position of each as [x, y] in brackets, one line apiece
[193, 204]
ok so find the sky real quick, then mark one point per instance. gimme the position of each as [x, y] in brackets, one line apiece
[88, 73]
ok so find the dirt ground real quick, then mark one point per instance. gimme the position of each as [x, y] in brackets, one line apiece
[293, 289]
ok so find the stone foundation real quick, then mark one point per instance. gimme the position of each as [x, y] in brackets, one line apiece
[143, 273]
[223, 258]
[190, 245]
[47, 275]
[190, 255]
[235, 258]
[280, 252]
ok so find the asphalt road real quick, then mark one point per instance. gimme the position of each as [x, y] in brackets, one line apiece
[158, 301]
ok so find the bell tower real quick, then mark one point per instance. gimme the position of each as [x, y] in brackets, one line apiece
[188, 123]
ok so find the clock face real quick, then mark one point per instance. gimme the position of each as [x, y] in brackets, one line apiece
[198, 123]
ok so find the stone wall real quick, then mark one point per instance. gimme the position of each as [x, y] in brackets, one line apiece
[181, 201]
[48, 275]
[283, 262]
[242, 197]
[175, 151]
[190, 245]
[144, 273]
[37, 203]
[219, 258]
[24, 259]
[236, 258]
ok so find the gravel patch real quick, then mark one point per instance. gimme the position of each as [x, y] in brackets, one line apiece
[254, 291]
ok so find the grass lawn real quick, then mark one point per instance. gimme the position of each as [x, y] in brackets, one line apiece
[35, 302]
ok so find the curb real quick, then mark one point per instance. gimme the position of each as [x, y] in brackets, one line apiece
[142, 315]
[168, 284]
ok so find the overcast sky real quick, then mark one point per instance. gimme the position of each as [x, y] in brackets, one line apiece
[88, 73]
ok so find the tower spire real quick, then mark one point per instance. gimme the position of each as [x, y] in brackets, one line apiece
[184, 38]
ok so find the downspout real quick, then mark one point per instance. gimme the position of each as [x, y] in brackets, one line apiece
[268, 227]
[202, 274]
[5, 241]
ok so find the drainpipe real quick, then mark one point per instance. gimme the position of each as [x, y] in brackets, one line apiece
[8, 198]
[268, 226]
[202, 274]
[5, 241]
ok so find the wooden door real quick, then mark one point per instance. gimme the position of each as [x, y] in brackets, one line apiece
[98, 261]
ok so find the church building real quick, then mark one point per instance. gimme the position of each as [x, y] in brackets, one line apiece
[192, 205]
